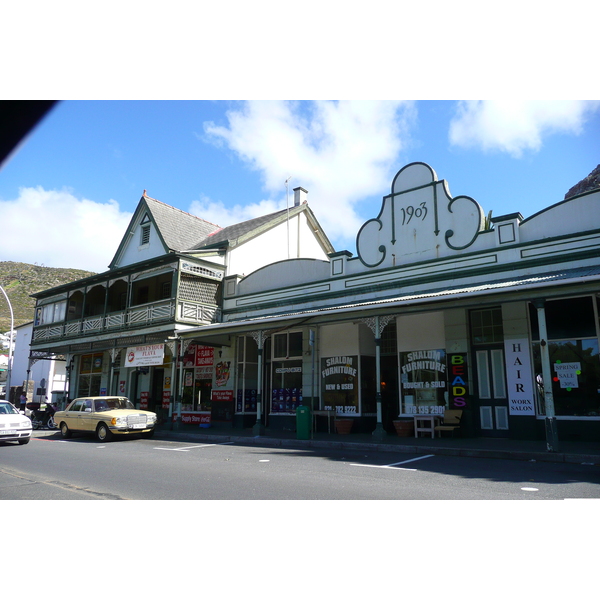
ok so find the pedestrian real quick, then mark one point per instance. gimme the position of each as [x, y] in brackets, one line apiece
[23, 401]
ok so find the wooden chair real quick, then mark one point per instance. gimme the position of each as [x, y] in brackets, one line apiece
[451, 421]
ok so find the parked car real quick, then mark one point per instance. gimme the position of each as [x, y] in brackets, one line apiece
[105, 417]
[14, 426]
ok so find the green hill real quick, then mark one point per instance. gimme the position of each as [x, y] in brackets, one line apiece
[20, 279]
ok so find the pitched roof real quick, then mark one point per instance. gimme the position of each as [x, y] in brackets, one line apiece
[179, 230]
[234, 233]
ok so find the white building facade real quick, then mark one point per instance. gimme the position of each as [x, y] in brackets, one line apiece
[440, 309]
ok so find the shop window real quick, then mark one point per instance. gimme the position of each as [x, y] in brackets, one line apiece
[286, 345]
[575, 373]
[423, 382]
[286, 385]
[389, 342]
[565, 319]
[286, 372]
[90, 375]
[339, 384]
[574, 357]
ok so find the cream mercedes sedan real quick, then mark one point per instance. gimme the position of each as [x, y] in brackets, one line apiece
[105, 417]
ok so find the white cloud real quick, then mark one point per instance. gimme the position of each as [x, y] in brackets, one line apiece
[341, 152]
[56, 229]
[516, 126]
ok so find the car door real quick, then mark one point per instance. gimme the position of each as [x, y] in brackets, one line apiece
[86, 416]
[71, 416]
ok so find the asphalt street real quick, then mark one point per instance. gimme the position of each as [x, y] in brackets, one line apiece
[138, 469]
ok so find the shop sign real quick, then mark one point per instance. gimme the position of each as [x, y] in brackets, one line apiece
[140, 356]
[166, 399]
[144, 400]
[222, 396]
[567, 373]
[205, 355]
[194, 418]
[518, 377]
[198, 356]
[457, 377]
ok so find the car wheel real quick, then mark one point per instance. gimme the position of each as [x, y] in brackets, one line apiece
[24, 441]
[65, 431]
[103, 433]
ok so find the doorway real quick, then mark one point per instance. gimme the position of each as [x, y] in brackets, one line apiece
[491, 398]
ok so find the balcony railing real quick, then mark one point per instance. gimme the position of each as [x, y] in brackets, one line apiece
[134, 318]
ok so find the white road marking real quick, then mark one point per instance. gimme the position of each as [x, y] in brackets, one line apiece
[188, 448]
[530, 489]
[394, 465]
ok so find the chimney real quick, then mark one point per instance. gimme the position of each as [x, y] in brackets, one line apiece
[299, 196]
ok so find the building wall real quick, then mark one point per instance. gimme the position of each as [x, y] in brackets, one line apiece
[272, 246]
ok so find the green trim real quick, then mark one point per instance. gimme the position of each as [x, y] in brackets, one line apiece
[559, 203]
[399, 285]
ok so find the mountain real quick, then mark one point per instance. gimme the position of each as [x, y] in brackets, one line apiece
[21, 279]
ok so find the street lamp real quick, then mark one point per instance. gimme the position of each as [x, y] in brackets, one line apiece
[10, 346]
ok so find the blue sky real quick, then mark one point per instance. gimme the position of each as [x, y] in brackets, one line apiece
[77, 179]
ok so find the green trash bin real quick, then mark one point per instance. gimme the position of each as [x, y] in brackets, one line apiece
[303, 423]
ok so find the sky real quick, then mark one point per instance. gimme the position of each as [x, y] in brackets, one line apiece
[69, 191]
[214, 111]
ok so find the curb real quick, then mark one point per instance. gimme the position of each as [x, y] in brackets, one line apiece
[553, 457]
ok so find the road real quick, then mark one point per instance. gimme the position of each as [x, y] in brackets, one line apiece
[49, 468]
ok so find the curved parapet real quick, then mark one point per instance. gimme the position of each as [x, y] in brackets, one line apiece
[419, 220]
[296, 271]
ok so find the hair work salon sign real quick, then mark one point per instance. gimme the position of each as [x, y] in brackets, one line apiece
[518, 376]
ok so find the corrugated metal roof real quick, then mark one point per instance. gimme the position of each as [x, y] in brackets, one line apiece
[579, 274]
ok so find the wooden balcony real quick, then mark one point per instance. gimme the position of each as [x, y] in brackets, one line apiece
[133, 318]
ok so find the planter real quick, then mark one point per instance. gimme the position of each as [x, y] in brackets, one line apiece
[404, 428]
[344, 426]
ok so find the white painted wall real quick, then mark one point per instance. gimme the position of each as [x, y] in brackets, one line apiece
[272, 246]
[134, 252]
[53, 371]
[421, 332]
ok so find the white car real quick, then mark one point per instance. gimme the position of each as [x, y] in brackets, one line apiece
[14, 426]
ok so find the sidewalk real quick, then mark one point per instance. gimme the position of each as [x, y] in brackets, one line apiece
[569, 451]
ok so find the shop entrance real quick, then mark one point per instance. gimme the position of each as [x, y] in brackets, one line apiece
[156, 393]
[389, 392]
[491, 398]
[490, 392]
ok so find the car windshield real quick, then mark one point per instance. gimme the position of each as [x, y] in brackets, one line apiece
[112, 403]
[8, 409]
